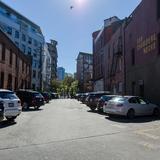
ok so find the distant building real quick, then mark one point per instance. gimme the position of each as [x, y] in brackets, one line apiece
[46, 69]
[100, 40]
[15, 67]
[85, 71]
[27, 36]
[69, 75]
[52, 48]
[60, 73]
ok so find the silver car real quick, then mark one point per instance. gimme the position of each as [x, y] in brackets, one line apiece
[130, 106]
[10, 105]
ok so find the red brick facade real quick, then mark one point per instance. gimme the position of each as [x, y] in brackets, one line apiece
[15, 67]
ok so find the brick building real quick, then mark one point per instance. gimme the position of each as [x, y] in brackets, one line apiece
[114, 62]
[100, 40]
[142, 50]
[15, 67]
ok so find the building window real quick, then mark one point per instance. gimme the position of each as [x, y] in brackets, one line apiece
[158, 9]
[9, 85]
[35, 43]
[10, 57]
[34, 74]
[9, 30]
[23, 48]
[29, 51]
[15, 84]
[133, 56]
[29, 40]
[34, 64]
[2, 80]
[16, 61]
[16, 34]
[23, 37]
[3, 52]
[22, 66]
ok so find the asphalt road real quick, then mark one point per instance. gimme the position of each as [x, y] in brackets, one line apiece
[67, 130]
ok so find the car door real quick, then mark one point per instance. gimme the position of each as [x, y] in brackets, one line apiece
[134, 104]
[144, 107]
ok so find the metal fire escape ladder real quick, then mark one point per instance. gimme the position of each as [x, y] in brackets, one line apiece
[117, 53]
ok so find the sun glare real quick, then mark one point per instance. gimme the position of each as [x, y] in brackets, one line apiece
[81, 2]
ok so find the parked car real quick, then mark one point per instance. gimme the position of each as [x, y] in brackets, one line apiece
[46, 96]
[30, 98]
[54, 95]
[10, 105]
[78, 96]
[103, 101]
[131, 106]
[93, 98]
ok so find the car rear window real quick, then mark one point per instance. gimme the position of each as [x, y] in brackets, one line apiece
[119, 99]
[8, 95]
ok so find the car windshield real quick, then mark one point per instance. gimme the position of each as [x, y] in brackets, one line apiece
[8, 95]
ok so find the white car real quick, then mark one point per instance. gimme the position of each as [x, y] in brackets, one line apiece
[10, 105]
[130, 106]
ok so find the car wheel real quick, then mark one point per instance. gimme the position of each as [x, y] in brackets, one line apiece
[131, 114]
[36, 107]
[156, 112]
[92, 109]
[11, 119]
[25, 106]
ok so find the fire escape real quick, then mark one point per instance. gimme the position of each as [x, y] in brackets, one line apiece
[117, 55]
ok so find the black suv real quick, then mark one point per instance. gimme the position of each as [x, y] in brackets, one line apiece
[93, 98]
[46, 96]
[30, 98]
[1, 110]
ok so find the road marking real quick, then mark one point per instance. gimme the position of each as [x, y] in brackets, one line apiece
[142, 133]
[118, 126]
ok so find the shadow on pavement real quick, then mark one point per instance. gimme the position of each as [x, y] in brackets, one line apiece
[123, 119]
[143, 119]
[33, 110]
[5, 123]
[97, 112]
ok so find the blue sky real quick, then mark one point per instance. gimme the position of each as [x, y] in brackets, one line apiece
[71, 28]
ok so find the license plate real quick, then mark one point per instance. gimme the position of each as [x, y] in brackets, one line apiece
[11, 105]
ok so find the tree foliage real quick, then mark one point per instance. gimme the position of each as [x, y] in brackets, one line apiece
[67, 87]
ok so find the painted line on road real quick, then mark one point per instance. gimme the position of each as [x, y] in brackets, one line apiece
[118, 126]
[147, 135]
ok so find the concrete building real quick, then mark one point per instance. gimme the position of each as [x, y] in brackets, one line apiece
[52, 48]
[142, 51]
[15, 67]
[46, 69]
[60, 73]
[27, 36]
[100, 40]
[85, 72]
